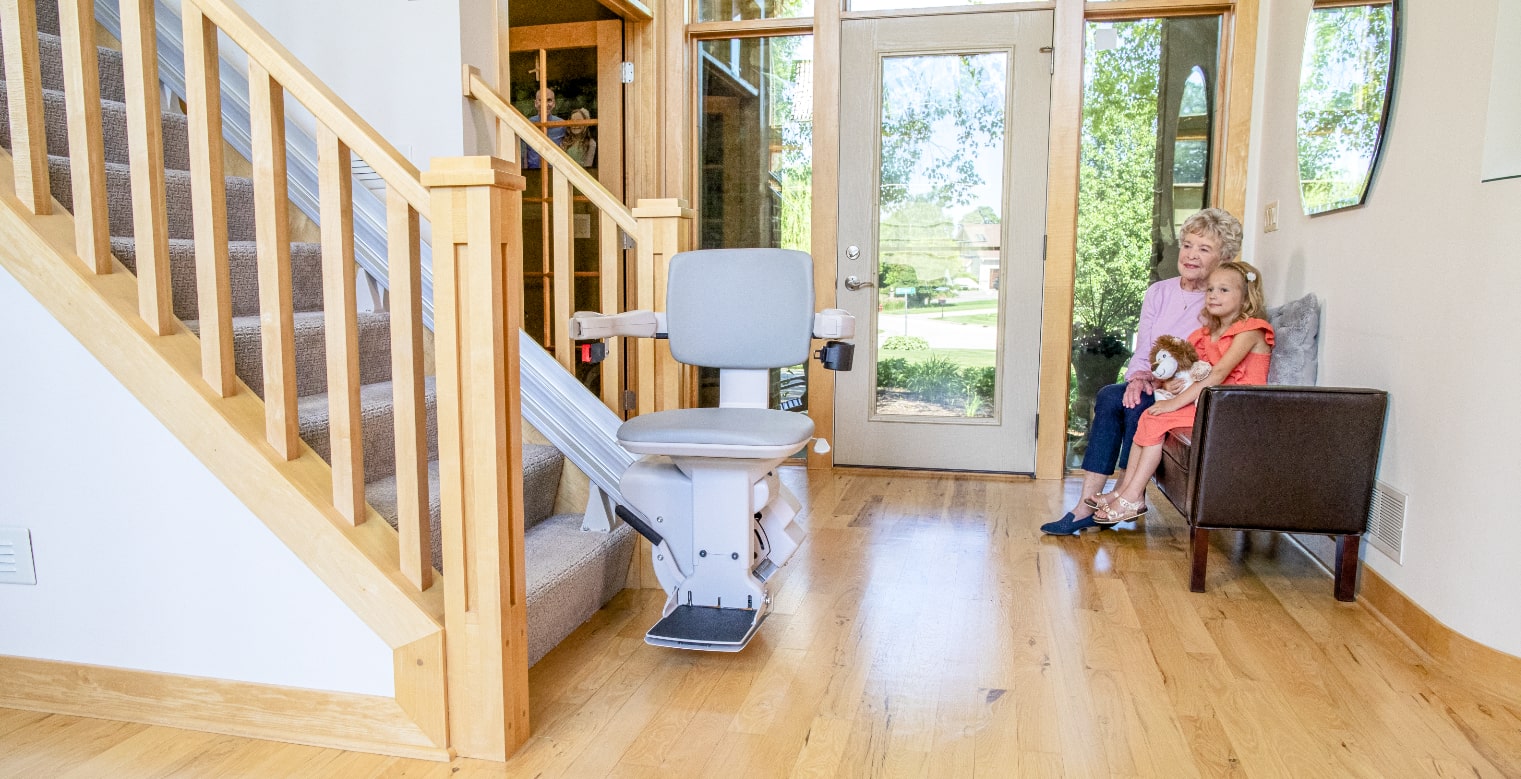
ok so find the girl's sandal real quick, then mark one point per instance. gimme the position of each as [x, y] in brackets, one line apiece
[1096, 503]
[1123, 511]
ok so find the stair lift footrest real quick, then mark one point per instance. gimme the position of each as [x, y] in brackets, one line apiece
[706, 627]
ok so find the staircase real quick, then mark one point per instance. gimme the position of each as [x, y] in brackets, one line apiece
[570, 573]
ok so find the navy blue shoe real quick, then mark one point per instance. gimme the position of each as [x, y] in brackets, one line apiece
[1068, 525]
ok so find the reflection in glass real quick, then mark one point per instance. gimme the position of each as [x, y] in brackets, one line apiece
[893, 5]
[739, 10]
[1344, 86]
[1148, 109]
[940, 233]
[755, 147]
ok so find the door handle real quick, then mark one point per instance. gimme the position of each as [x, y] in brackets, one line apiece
[852, 283]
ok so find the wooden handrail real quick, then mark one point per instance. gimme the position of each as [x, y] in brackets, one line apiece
[552, 154]
[300, 83]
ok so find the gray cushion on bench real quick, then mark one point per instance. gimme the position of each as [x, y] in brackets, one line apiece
[723, 426]
[1296, 329]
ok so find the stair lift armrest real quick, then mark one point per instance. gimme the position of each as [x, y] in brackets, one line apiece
[592, 326]
[834, 324]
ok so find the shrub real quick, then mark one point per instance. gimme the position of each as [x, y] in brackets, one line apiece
[905, 343]
[892, 373]
[937, 380]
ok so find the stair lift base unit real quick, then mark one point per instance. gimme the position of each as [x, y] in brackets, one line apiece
[706, 493]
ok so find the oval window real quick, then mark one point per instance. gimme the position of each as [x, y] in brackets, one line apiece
[1345, 87]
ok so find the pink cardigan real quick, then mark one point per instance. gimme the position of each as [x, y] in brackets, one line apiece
[1165, 310]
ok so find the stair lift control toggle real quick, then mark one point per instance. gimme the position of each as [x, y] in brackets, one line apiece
[705, 492]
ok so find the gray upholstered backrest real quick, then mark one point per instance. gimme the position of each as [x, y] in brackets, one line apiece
[740, 308]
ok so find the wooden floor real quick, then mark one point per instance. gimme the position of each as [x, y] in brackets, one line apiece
[927, 629]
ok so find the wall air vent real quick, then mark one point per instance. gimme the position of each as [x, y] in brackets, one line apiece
[1386, 522]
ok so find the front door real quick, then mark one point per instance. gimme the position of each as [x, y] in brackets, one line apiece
[943, 122]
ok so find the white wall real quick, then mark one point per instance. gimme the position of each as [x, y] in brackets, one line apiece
[395, 62]
[1420, 288]
[144, 559]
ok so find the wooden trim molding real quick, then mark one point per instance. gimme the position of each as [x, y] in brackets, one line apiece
[364, 723]
[1061, 241]
[1459, 655]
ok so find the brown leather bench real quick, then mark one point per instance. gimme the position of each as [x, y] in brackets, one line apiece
[1281, 459]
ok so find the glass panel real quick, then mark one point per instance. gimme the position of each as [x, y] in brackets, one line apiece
[940, 234]
[755, 137]
[1148, 109]
[1344, 87]
[737, 10]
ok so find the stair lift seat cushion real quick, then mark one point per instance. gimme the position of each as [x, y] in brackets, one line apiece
[740, 308]
[743, 433]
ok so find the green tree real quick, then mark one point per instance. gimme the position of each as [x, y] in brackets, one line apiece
[1118, 167]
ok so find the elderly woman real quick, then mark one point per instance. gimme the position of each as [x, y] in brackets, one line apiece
[1171, 307]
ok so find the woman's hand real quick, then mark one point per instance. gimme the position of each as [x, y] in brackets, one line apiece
[1139, 382]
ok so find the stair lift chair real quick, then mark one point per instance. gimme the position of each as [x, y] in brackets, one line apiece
[705, 492]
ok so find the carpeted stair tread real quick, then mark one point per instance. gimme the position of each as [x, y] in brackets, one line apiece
[243, 270]
[570, 574]
[541, 480]
[240, 202]
[113, 124]
[311, 350]
[50, 51]
[377, 415]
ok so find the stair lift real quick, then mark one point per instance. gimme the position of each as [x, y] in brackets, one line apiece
[705, 491]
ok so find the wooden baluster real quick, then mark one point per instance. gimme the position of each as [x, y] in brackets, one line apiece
[663, 232]
[145, 137]
[87, 164]
[340, 320]
[23, 77]
[208, 190]
[478, 288]
[404, 258]
[610, 282]
[272, 233]
[561, 212]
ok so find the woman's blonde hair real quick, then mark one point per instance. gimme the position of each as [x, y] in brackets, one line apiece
[1252, 302]
[1218, 224]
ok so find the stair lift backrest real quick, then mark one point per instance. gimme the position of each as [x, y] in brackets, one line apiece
[740, 308]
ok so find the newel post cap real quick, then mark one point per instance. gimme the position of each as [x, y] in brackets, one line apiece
[472, 172]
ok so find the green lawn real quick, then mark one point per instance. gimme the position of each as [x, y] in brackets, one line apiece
[895, 305]
[988, 319]
[965, 358]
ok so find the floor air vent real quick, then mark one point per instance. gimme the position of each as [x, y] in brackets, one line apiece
[1386, 521]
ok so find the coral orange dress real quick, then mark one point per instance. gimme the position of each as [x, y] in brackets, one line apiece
[1253, 369]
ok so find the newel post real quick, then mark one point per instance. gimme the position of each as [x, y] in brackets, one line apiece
[478, 287]
[664, 230]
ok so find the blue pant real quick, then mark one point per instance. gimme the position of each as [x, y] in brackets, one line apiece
[1112, 428]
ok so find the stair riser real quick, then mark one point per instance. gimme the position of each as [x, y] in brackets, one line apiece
[379, 423]
[311, 352]
[242, 260]
[239, 192]
[109, 62]
[113, 124]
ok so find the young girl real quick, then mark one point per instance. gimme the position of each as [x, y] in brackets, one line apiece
[1237, 341]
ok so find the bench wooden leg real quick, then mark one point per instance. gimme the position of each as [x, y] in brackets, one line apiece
[1199, 541]
[1346, 567]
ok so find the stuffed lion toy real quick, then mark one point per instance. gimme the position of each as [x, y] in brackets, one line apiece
[1176, 365]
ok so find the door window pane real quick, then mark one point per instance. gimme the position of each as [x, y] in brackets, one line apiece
[940, 233]
[755, 144]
